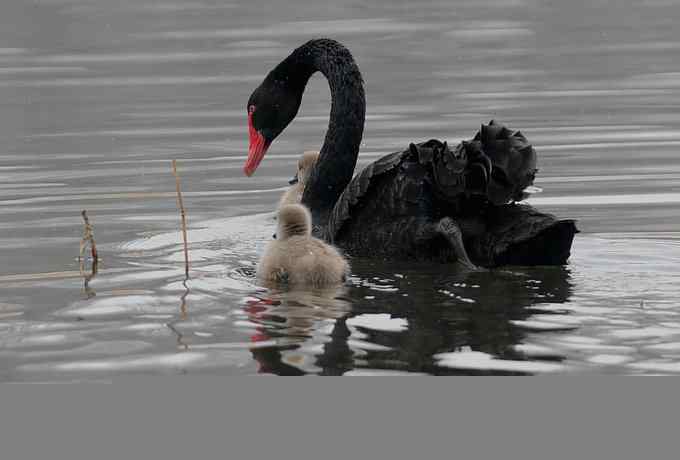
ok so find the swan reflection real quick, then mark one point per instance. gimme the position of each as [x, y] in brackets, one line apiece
[305, 316]
[433, 313]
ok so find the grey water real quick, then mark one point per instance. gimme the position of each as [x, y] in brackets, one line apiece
[97, 98]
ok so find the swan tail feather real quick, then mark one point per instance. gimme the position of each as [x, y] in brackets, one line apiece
[513, 161]
[521, 235]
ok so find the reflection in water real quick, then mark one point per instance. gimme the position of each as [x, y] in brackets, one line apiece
[181, 341]
[297, 315]
[449, 312]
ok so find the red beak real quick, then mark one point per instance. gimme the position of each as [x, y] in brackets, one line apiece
[258, 147]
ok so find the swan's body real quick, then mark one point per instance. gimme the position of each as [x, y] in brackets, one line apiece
[305, 165]
[297, 258]
[407, 194]
[427, 202]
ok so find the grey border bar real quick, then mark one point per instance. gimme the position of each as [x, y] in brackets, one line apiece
[362, 418]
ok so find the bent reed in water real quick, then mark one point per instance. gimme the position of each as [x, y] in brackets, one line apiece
[297, 258]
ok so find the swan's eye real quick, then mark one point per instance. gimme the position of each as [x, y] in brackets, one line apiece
[251, 109]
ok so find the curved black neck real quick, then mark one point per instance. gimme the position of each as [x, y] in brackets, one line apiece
[335, 167]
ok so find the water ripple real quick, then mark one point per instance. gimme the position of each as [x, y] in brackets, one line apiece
[296, 28]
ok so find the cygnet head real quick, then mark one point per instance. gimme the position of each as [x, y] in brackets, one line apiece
[305, 165]
[294, 219]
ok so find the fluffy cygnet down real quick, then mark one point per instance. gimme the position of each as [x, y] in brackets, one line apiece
[305, 165]
[297, 258]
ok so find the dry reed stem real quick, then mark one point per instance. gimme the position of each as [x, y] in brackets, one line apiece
[180, 204]
[88, 237]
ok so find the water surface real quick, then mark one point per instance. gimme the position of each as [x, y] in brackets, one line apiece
[97, 97]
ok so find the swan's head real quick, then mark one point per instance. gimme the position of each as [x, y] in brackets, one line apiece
[294, 219]
[305, 165]
[271, 107]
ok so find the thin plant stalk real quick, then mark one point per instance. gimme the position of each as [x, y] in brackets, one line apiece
[88, 237]
[180, 204]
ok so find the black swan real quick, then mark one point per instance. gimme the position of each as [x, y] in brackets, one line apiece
[427, 202]
[296, 258]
